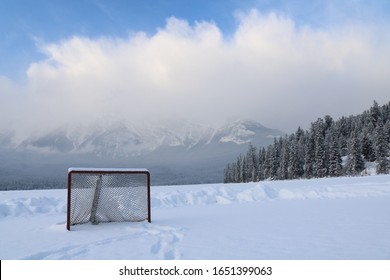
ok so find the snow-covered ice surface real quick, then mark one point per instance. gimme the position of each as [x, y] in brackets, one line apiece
[332, 218]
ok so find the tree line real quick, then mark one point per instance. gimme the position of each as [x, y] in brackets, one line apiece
[328, 148]
[32, 184]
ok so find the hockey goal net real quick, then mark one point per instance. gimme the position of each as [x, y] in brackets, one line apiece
[108, 195]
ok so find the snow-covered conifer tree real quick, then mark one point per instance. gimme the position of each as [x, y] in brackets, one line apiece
[252, 163]
[309, 156]
[260, 171]
[335, 168]
[355, 162]
[375, 113]
[381, 149]
[367, 146]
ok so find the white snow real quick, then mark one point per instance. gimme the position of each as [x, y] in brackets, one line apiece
[332, 218]
[238, 133]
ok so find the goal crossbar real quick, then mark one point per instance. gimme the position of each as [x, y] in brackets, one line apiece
[108, 195]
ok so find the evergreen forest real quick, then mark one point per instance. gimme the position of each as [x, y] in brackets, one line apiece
[329, 148]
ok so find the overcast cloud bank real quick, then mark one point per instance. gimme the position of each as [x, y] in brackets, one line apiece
[271, 70]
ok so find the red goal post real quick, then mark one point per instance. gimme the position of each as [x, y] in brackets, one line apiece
[99, 195]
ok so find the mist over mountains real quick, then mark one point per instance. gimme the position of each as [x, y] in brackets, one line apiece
[179, 152]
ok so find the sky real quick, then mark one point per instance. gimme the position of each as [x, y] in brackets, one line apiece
[281, 63]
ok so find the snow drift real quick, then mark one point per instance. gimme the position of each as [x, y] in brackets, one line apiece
[332, 218]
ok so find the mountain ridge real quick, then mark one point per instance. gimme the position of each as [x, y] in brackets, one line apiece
[123, 139]
[182, 152]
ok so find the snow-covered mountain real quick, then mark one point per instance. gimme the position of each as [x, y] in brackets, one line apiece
[124, 139]
[176, 152]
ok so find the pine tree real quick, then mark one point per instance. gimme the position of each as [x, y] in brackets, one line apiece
[285, 160]
[295, 168]
[355, 161]
[328, 122]
[226, 174]
[320, 164]
[274, 160]
[318, 129]
[335, 168]
[309, 156]
[381, 149]
[367, 149]
[252, 162]
[268, 162]
[301, 155]
[375, 113]
[386, 129]
[239, 174]
[260, 168]
[244, 170]
[233, 173]
[343, 130]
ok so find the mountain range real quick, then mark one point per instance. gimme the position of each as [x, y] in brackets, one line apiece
[175, 152]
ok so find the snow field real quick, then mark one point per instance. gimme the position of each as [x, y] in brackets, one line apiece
[331, 218]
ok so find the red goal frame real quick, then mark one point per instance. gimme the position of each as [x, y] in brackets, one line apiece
[102, 171]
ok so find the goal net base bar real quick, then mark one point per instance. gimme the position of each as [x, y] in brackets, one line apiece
[98, 195]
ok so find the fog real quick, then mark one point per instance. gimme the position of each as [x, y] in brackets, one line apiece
[269, 69]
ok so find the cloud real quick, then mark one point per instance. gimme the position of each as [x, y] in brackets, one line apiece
[270, 70]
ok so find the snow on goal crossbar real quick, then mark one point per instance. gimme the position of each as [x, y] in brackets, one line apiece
[98, 195]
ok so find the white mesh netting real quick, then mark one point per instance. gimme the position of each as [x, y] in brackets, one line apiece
[108, 197]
